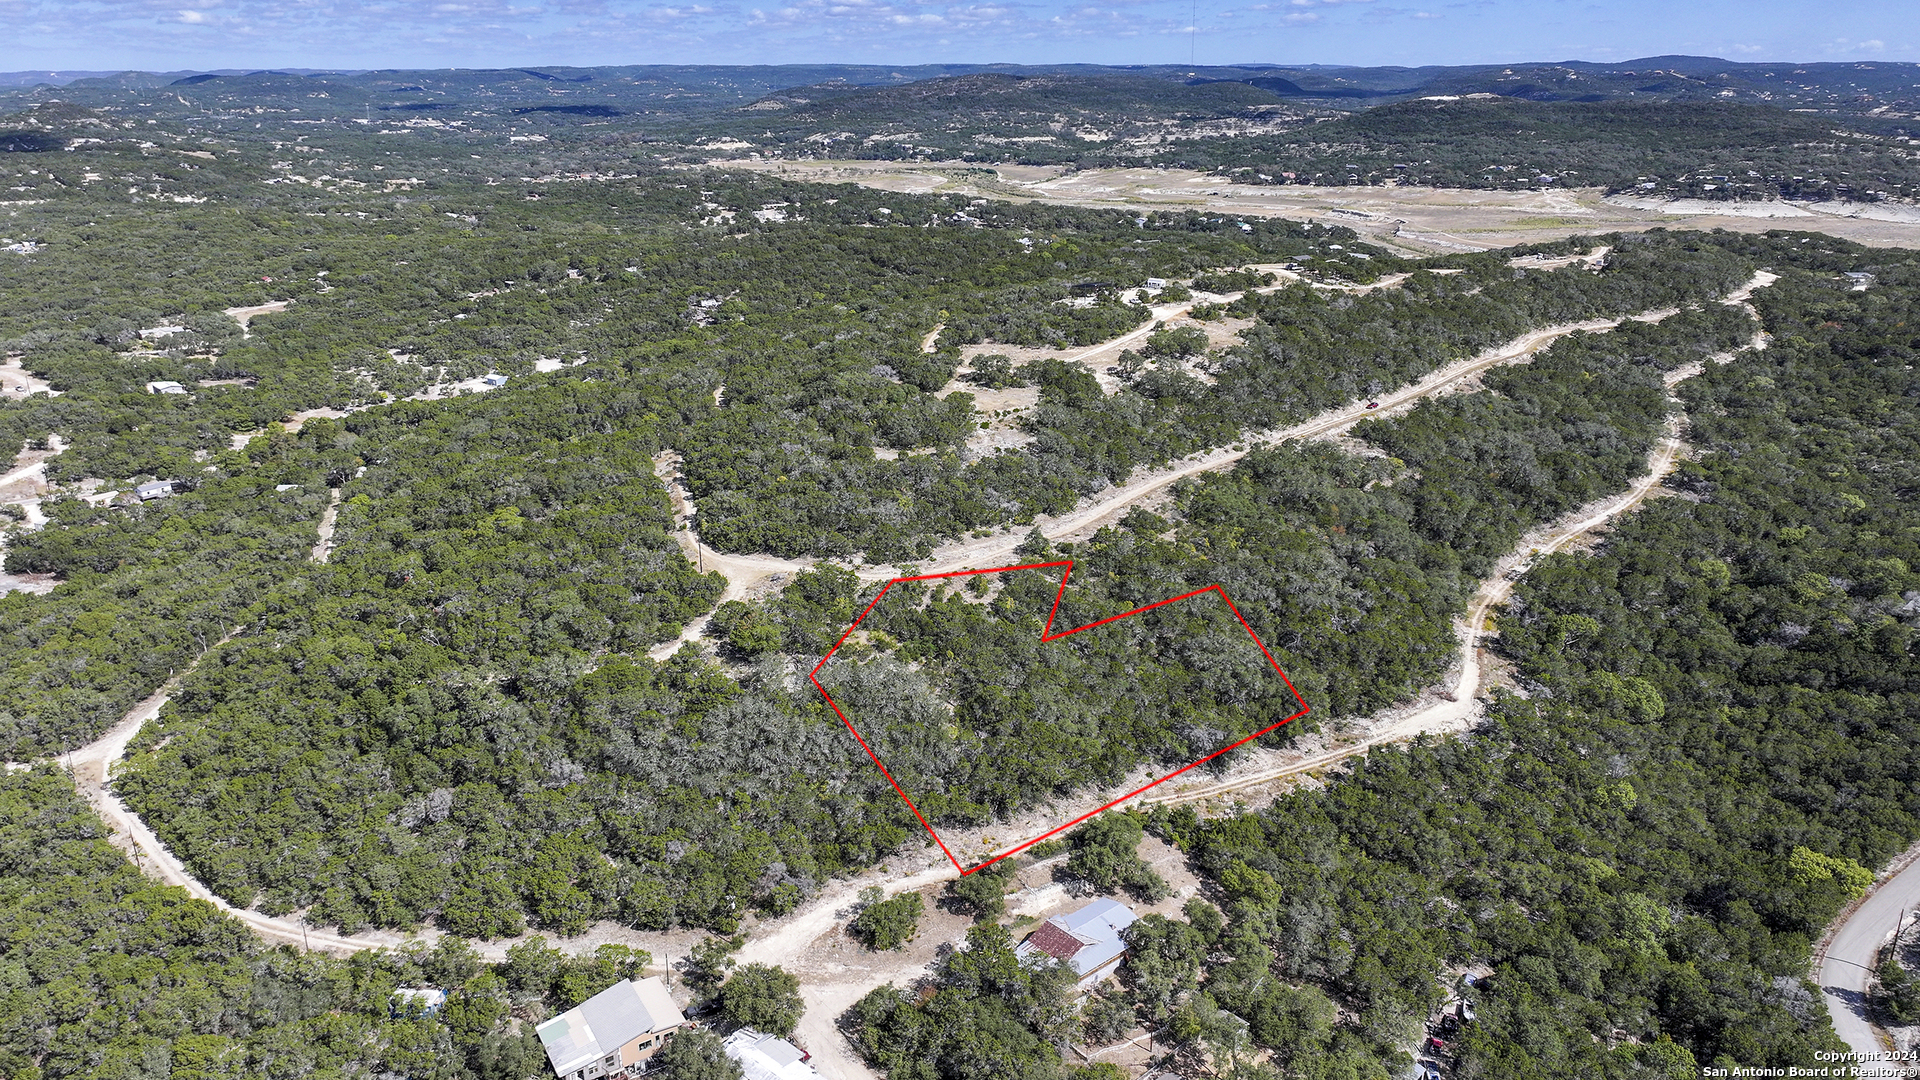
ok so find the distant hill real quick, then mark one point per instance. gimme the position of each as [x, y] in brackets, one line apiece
[1851, 86]
[1856, 87]
[1710, 148]
[1055, 116]
[1669, 125]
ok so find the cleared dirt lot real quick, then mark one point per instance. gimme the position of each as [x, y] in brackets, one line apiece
[1415, 220]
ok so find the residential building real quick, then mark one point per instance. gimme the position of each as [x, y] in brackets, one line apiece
[763, 1057]
[153, 489]
[165, 386]
[612, 1033]
[429, 998]
[1089, 940]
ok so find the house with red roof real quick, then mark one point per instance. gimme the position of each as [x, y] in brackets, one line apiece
[1088, 940]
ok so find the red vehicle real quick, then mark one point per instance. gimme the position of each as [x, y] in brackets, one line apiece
[1373, 404]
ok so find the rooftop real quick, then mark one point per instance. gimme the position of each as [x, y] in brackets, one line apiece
[764, 1057]
[1087, 939]
[606, 1021]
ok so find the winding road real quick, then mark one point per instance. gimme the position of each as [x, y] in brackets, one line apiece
[783, 939]
[1844, 959]
[1845, 964]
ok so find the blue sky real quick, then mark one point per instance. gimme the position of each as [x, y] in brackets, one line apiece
[176, 34]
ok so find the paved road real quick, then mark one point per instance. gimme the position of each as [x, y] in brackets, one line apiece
[1851, 949]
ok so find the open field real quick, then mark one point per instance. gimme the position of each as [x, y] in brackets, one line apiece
[1415, 220]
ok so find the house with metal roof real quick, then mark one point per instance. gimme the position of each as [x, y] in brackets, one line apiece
[763, 1057]
[612, 1033]
[1089, 940]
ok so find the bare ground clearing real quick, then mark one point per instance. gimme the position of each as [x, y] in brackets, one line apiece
[1416, 220]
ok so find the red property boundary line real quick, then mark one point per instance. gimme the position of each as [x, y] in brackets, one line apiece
[1047, 634]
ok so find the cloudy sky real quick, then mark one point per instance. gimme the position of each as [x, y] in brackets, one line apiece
[165, 35]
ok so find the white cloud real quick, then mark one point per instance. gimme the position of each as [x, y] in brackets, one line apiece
[1849, 47]
[675, 14]
[191, 16]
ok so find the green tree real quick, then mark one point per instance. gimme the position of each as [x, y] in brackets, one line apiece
[709, 961]
[1897, 992]
[697, 1055]
[889, 924]
[763, 998]
[983, 893]
[1106, 855]
[1105, 1018]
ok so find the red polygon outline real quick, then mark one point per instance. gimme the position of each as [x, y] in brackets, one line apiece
[1047, 634]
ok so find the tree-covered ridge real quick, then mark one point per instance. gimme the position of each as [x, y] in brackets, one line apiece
[666, 96]
[989, 116]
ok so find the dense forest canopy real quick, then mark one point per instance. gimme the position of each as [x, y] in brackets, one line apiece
[110, 975]
[1711, 738]
[477, 371]
[482, 757]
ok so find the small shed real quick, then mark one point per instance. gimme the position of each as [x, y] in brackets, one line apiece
[493, 378]
[165, 386]
[430, 998]
[153, 489]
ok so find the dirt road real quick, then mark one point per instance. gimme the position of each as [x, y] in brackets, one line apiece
[1113, 503]
[245, 315]
[323, 545]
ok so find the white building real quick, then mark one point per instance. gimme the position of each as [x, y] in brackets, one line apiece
[612, 1033]
[763, 1057]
